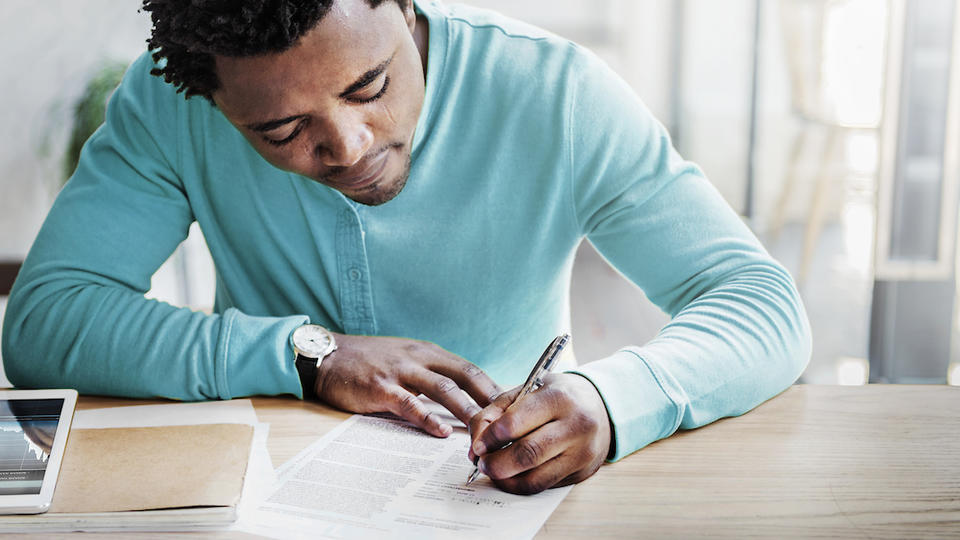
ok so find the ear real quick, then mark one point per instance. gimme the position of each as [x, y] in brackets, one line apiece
[410, 15]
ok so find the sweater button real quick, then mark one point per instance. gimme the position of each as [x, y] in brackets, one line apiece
[354, 274]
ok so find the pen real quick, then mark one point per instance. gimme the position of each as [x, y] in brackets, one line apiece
[534, 381]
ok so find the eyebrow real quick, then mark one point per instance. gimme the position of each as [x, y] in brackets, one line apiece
[367, 78]
[361, 82]
[271, 125]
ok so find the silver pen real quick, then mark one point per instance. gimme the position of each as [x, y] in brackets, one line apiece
[534, 381]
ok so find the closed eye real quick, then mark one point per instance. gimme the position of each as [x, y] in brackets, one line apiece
[293, 135]
[367, 99]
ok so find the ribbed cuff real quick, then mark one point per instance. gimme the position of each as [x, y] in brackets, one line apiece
[639, 400]
[254, 356]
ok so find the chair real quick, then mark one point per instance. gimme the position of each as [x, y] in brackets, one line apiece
[823, 96]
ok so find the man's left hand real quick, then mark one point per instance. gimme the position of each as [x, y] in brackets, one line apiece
[560, 435]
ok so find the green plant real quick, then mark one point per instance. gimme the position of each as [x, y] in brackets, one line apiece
[89, 111]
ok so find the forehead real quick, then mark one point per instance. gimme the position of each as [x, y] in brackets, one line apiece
[351, 39]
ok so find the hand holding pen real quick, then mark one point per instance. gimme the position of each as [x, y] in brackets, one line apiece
[554, 436]
[534, 381]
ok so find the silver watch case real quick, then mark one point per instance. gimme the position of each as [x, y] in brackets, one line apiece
[313, 341]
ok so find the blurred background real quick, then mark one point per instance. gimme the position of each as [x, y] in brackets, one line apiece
[831, 126]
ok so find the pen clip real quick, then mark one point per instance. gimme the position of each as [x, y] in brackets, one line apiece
[553, 353]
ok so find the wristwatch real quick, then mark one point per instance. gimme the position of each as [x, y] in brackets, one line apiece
[312, 343]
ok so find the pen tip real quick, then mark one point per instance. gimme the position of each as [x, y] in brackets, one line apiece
[473, 476]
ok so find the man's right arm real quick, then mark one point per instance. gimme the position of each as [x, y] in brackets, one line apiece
[77, 316]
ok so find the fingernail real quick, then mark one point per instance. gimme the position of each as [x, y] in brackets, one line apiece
[446, 429]
[479, 448]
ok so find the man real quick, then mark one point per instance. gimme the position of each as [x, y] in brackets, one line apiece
[379, 168]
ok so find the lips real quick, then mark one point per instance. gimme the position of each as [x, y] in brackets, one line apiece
[362, 174]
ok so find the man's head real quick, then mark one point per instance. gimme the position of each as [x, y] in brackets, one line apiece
[329, 89]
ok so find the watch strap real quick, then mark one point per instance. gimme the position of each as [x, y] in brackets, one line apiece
[307, 368]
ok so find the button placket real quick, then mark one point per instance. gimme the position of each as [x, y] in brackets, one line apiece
[356, 298]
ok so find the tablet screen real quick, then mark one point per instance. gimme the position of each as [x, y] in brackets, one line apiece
[27, 429]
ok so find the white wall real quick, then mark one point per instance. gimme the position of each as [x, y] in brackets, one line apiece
[47, 50]
[715, 96]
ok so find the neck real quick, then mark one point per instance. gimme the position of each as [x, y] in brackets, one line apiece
[421, 37]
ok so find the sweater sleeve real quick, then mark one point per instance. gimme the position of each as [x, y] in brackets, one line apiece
[738, 333]
[77, 316]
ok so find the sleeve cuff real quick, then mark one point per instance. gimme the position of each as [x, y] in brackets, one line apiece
[254, 356]
[644, 405]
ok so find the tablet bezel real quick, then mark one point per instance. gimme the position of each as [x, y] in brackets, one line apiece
[40, 502]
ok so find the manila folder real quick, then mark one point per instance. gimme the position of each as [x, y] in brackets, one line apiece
[151, 468]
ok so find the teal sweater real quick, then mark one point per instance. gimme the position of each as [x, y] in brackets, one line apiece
[526, 145]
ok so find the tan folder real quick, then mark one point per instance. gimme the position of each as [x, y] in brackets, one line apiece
[152, 468]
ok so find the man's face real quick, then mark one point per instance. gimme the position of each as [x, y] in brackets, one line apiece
[341, 106]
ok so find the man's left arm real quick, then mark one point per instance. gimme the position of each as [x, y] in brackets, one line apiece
[738, 333]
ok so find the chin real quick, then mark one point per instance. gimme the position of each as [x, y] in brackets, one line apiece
[383, 191]
[379, 193]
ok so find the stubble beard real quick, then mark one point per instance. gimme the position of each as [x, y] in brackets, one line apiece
[382, 192]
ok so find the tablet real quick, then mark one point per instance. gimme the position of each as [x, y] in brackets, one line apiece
[34, 425]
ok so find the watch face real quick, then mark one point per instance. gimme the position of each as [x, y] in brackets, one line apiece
[312, 340]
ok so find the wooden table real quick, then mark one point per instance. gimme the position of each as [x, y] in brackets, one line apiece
[878, 461]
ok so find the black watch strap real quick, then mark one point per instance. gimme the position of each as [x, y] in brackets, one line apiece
[307, 368]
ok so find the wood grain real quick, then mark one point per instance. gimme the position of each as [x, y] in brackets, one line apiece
[876, 461]
[814, 462]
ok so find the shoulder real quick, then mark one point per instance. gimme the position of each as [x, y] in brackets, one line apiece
[494, 43]
[472, 19]
[139, 84]
[143, 92]
[488, 59]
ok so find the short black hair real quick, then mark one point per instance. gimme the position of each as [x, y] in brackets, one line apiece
[188, 33]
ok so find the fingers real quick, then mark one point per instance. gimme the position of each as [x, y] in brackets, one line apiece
[491, 412]
[473, 380]
[374, 374]
[527, 453]
[461, 387]
[445, 391]
[408, 406]
[553, 473]
[508, 419]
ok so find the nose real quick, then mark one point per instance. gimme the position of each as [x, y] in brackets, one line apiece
[345, 144]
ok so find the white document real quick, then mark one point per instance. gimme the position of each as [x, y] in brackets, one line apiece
[379, 477]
